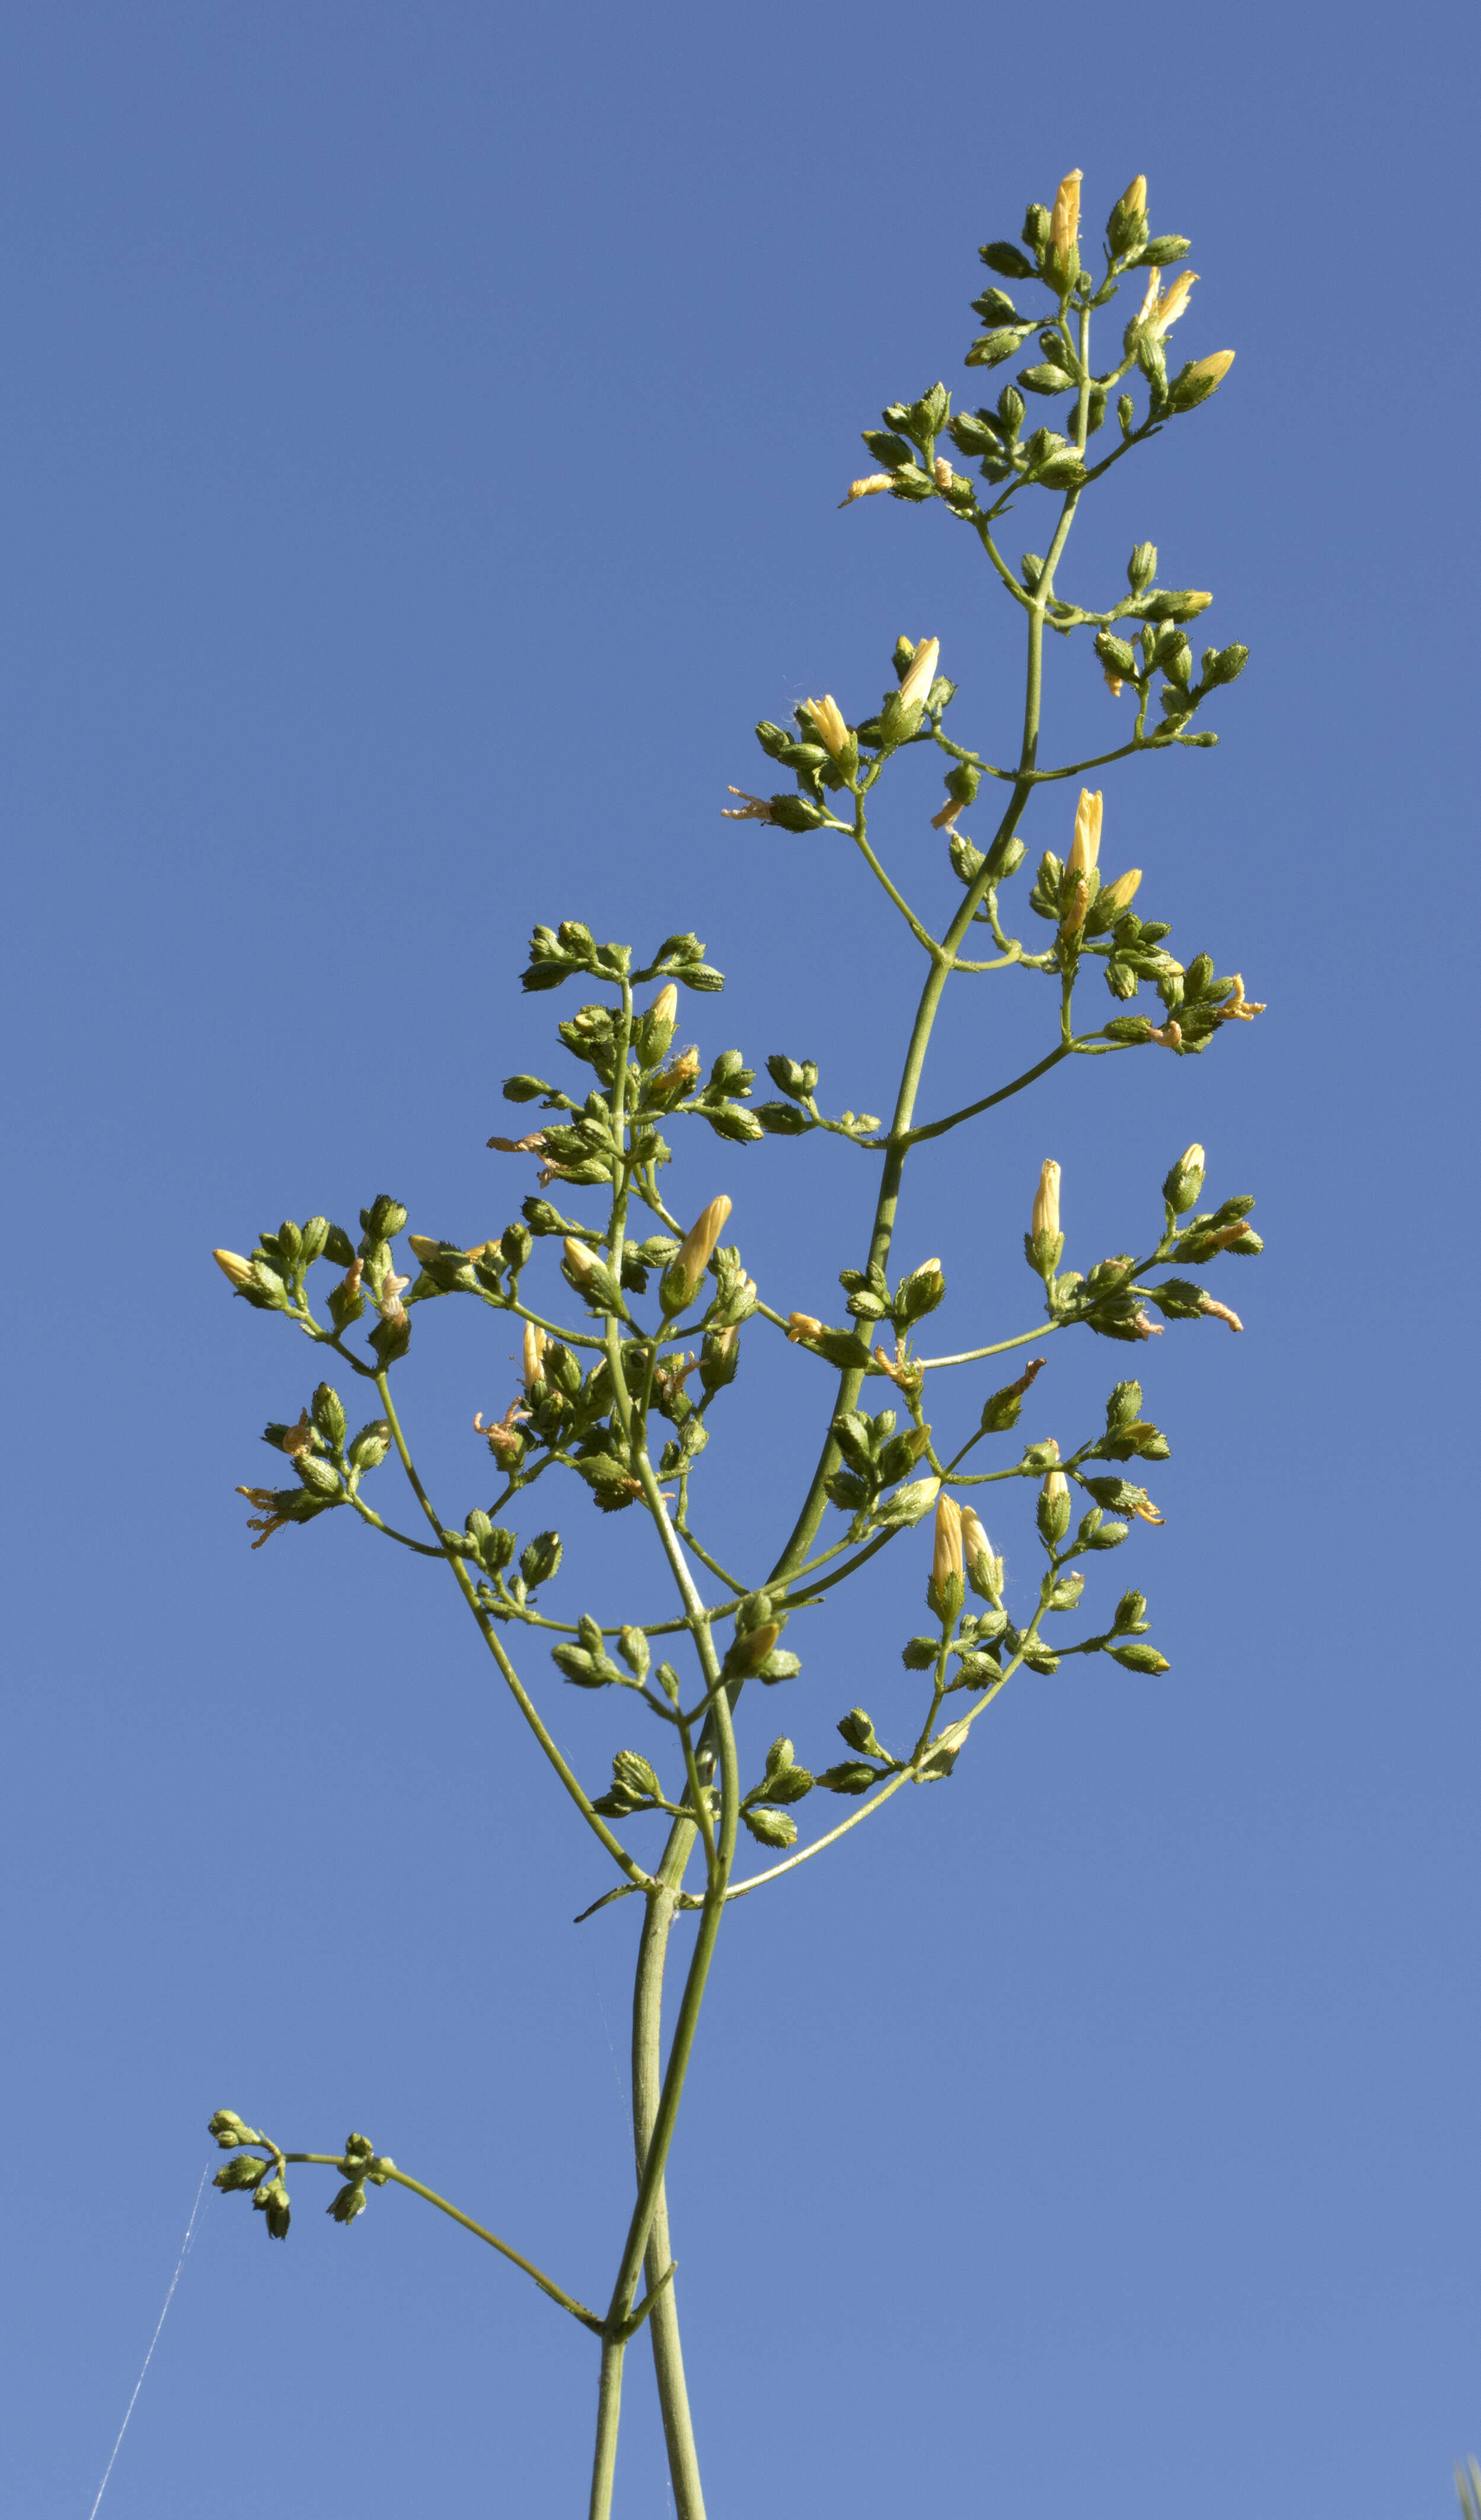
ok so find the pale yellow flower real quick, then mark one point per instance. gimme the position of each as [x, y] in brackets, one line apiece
[698, 1247]
[1045, 1214]
[827, 718]
[1064, 222]
[945, 1554]
[1084, 847]
[1157, 312]
[1113, 898]
[921, 674]
[869, 488]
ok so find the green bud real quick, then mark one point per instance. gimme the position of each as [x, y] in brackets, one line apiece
[348, 2201]
[541, 1559]
[329, 1415]
[1131, 1613]
[383, 1218]
[1164, 249]
[1140, 1657]
[1054, 1508]
[771, 1827]
[1142, 568]
[1007, 260]
[244, 2171]
[850, 1776]
[798, 1077]
[859, 1733]
[797, 814]
[1122, 1406]
[963, 782]
[919, 1654]
[1219, 665]
[1126, 413]
[1005, 858]
[1129, 1028]
[1184, 1183]
[1115, 652]
[633, 1646]
[1046, 379]
[271, 2199]
[370, 1447]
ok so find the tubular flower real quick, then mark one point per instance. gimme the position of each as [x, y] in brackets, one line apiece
[1134, 199]
[578, 1260]
[1215, 367]
[1046, 1212]
[974, 1540]
[869, 488]
[827, 718]
[698, 1247]
[921, 674]
[665, 1007]
[945, 1554]
[1064, 224]
[1084, 847]
[946, 820]
[536, 1344]
[232, 1265]
[1113, 898]
[1074, 917]
[1157, 313]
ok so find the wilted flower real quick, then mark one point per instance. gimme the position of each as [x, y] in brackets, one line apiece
[1219, 1312]
[803, 1326]
[754, 809]
[1235, 1010]
[869, 488]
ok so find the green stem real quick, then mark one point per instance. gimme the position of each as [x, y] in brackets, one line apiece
[399, 2178]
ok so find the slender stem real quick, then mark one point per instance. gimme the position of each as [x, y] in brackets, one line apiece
[523, 1700]
[609, 2413]
[400, 2179]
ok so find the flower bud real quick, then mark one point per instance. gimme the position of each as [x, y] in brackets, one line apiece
[534, 1351]
[946, 1590]
[1054, 1507]
[1084, 847]
[1186, 1180]
[1064, 228]
[1114, 898]
[580, 1262]
[682, 1278]
[1045, 1219]
[1194, 383]
[1126, 228]
[233, 1266]
[920, 674]
[655, 1031]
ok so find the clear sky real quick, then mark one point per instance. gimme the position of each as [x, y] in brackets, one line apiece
[422, 431]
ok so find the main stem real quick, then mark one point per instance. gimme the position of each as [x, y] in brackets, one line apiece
[647, 1988]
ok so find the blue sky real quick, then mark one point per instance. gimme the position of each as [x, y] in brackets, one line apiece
[424, 428]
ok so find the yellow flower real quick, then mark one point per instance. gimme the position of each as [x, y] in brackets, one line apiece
[974, 1540]
[1113, 898]
[578, 1259]
[1084, 847]
[1215, 366]
[1074, 917]
[869, 488]
[921, 674]
[534, 1353]
[239, 1271]
[665, 1007]
[946, 1555]
[1157, 313]
[1064, 225]
[698, 1247]
[827, 718]
[1045, 1214]
[1134, 199]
